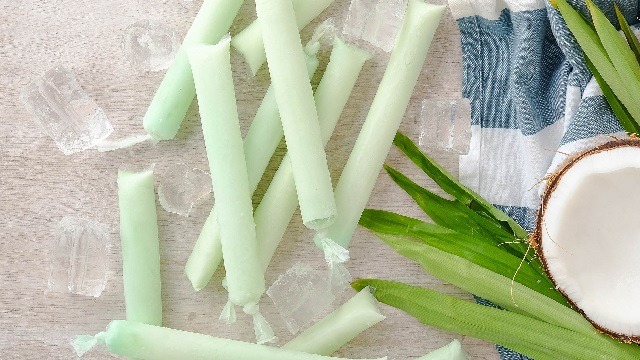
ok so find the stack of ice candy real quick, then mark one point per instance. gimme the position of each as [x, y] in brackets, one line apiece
[245, 239]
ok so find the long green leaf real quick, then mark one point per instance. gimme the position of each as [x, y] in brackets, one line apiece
[478, 280]
[628, 33]
[618, 109]
[452, 214]
[590, 43]
[453, 187]
[455, 215]
[621, 55]
[535, 338]
[476, 250]
[391, 223]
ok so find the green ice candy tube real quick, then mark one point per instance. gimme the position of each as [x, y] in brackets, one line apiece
[338, 328]
[211, 65]
[249, 41]
[140, 247]
[147, 342]
[383, 120]
[260, 143]
[280, 201]
[176, 92]
[294, 96]
[214, 86]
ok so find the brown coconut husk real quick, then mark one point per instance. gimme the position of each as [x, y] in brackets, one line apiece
[536, 237]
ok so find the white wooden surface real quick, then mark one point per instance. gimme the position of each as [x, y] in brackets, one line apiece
[39, 185]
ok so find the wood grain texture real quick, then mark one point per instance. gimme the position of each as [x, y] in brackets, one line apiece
[39, 185]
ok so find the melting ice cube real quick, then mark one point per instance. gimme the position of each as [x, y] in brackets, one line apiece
[79, 261]
[65, 112]
[300, 295]
[359, 14]
[376, 21]
[181, 187]
[150, 46]
[445, 124]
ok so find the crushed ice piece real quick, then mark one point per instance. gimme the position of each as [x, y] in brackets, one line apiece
[79, 262]
[359, 14]
[181, 187]
[301, 294]
[445, 125]
[150, 46]
[376, 21]
[384, 27]
[111, 145]
[65, 112]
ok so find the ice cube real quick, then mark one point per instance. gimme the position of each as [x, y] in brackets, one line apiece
[301, 294]
[359, 14]
[150, 46]
[181, 187]
[445, 125]
[79, 262]
[65, 112]
[383, 28]
[376, 21]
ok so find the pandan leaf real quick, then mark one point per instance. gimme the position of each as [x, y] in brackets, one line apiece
[452, 186]
[621, 55]
[452, 214]
[475, 249]
[471, 247]
[532, 337]
[628, 33]
[385, 222]
[475, 268]
[618, 109]
[592, 46]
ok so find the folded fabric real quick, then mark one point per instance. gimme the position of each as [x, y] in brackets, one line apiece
[533, 101]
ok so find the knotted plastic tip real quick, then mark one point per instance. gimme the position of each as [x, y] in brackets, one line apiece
[262, 329]
[335, 256]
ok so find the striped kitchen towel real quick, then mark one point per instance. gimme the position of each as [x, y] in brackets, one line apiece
[533, 100]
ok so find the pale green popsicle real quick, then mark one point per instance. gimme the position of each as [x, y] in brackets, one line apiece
[280, 201]
[338, 328]
[453, 351]
[140, 247]
[297, 112]
[211, 65]
[249, 41]
[264, 136]
[388, 108]
[147, 342]
[176, 92]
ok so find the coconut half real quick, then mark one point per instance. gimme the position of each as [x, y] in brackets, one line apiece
[588, 236]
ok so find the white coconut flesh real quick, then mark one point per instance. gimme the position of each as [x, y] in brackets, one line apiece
[590, 238]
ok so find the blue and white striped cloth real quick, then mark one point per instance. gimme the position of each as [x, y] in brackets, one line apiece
[533, 100]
